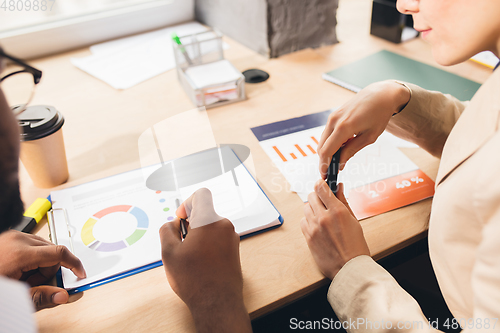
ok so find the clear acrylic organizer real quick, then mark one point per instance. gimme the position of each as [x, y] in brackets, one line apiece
[202, 49]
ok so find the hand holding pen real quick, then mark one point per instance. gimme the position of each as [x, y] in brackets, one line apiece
[198, 209]
[204, 269]
[333, 171]
[360, 121]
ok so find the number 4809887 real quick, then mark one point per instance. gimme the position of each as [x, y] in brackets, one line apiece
[27, 5]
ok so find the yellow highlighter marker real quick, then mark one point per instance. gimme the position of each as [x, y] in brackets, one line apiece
[33, 215]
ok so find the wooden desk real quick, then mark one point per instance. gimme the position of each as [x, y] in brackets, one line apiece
[101, 131]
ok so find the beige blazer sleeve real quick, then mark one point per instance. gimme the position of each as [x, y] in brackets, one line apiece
[366, 298]
[427, 119]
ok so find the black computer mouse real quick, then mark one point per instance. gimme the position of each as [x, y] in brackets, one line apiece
[255, 75]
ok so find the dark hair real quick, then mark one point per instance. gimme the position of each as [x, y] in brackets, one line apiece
[11, 205]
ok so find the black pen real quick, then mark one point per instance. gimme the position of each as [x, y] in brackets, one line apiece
[182, 222]
[183, 228]
[333, 171]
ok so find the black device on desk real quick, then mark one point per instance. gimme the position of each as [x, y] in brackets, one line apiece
[387, 22]
[333, 172]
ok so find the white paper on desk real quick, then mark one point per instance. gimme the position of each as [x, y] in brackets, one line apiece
[125, 62]
[114, 222]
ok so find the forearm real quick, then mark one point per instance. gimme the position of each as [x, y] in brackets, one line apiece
[230, 317]
[427, 120]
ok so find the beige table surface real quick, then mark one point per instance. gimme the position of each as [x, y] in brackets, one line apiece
[101, 132]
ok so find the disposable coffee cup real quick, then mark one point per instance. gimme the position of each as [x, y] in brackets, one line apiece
[42, 145]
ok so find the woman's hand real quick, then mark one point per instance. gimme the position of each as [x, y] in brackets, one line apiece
[333, 234]
[360, 121]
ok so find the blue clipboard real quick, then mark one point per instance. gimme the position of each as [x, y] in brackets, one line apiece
[106, 280]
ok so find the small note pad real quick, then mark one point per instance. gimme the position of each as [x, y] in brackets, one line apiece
[213, 73]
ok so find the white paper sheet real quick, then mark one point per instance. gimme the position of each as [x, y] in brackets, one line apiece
[125, 62]
[486, 58]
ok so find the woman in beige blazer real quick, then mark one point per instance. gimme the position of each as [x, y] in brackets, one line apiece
[464, 227]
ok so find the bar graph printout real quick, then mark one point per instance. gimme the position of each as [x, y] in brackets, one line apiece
[379, 178]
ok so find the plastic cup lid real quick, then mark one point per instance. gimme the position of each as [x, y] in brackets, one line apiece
[39, 121]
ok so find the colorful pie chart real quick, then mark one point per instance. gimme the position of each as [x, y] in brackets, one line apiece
[95, 244]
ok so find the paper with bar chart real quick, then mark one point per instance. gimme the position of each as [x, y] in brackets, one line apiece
[112, 224]
[377, 179]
